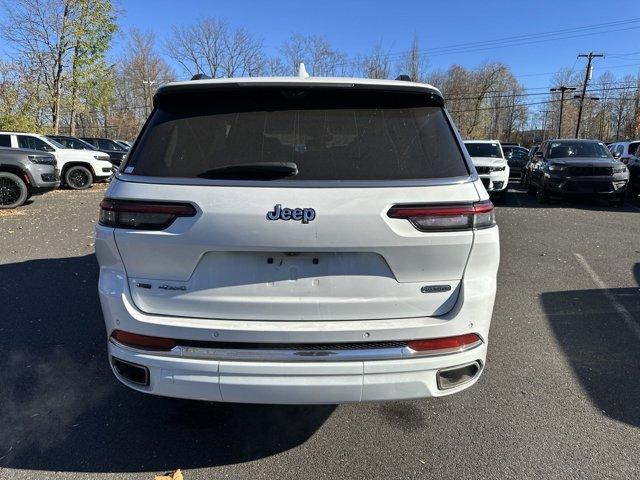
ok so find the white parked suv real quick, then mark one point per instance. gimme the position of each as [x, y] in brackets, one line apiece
[297, 240]
[78, 168]
[491, 165]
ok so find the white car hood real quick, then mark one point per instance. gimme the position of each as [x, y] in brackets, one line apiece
[489, 162]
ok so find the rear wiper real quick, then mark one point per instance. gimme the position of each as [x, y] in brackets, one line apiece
[251, 171]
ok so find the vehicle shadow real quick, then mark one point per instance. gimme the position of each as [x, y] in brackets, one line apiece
[61, 409]
[600, 345]
[519, 198]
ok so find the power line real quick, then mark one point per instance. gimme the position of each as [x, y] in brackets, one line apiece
[505, 106]
[511, 95]
[510, 41]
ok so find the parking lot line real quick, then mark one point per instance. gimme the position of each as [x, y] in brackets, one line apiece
[623, 312]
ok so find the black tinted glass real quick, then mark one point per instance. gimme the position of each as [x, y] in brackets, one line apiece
[26, 141]
[5, 141]
[483, 150]
[330, 134]
[577, 149]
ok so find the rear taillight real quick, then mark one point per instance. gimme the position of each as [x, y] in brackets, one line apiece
[142, 215]
[143, 341]
[428, 218]
[446, 344]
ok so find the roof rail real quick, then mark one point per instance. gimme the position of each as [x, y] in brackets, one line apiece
[201, 76]
[404, 78]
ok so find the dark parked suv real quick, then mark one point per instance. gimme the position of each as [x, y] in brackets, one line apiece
[577, 167]
[115, 151]
[516, 159]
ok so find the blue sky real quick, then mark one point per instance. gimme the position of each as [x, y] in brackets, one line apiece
[353, 26]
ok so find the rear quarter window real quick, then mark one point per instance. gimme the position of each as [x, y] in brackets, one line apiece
[330, 134]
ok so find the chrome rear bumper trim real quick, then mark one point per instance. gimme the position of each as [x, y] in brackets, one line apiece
[296, 355]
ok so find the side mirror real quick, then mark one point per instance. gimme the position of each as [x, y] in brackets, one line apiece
[616, 154]
[538, 155]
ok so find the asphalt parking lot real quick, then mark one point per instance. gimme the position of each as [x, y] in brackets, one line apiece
[559, 398]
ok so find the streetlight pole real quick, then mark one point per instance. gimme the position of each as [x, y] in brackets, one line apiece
[561, 89]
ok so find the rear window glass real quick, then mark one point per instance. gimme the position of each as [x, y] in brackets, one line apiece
[483, 149]
[329, 134]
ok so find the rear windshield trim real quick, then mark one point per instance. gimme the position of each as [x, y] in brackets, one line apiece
[428, 112]
[426, 182]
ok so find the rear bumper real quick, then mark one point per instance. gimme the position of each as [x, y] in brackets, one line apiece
[295, 382]
[300, 382]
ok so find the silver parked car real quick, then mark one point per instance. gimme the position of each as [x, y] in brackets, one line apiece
[24, 173]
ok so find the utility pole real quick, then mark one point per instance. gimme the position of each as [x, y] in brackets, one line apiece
[561, 89]
[587, 76]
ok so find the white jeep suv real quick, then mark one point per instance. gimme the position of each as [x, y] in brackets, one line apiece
[491, 165]
[297, 240]
[78, 168]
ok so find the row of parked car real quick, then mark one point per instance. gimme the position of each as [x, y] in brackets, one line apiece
[560, 167]
[32, 164]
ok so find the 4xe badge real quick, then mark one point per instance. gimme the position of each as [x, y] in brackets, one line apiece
[304, 215]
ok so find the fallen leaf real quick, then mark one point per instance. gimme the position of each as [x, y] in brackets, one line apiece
[177, 475]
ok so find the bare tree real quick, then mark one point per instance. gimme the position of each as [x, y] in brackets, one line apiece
[209, 46]
[413, 62]
[623, 104]
[320, 58]
[376, 64]
[567, 78]
[243, 55]
[275, 67]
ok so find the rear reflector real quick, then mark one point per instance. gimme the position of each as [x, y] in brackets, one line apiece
[428, 218]
[446, 344]
[143, 341]
[142, 215]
